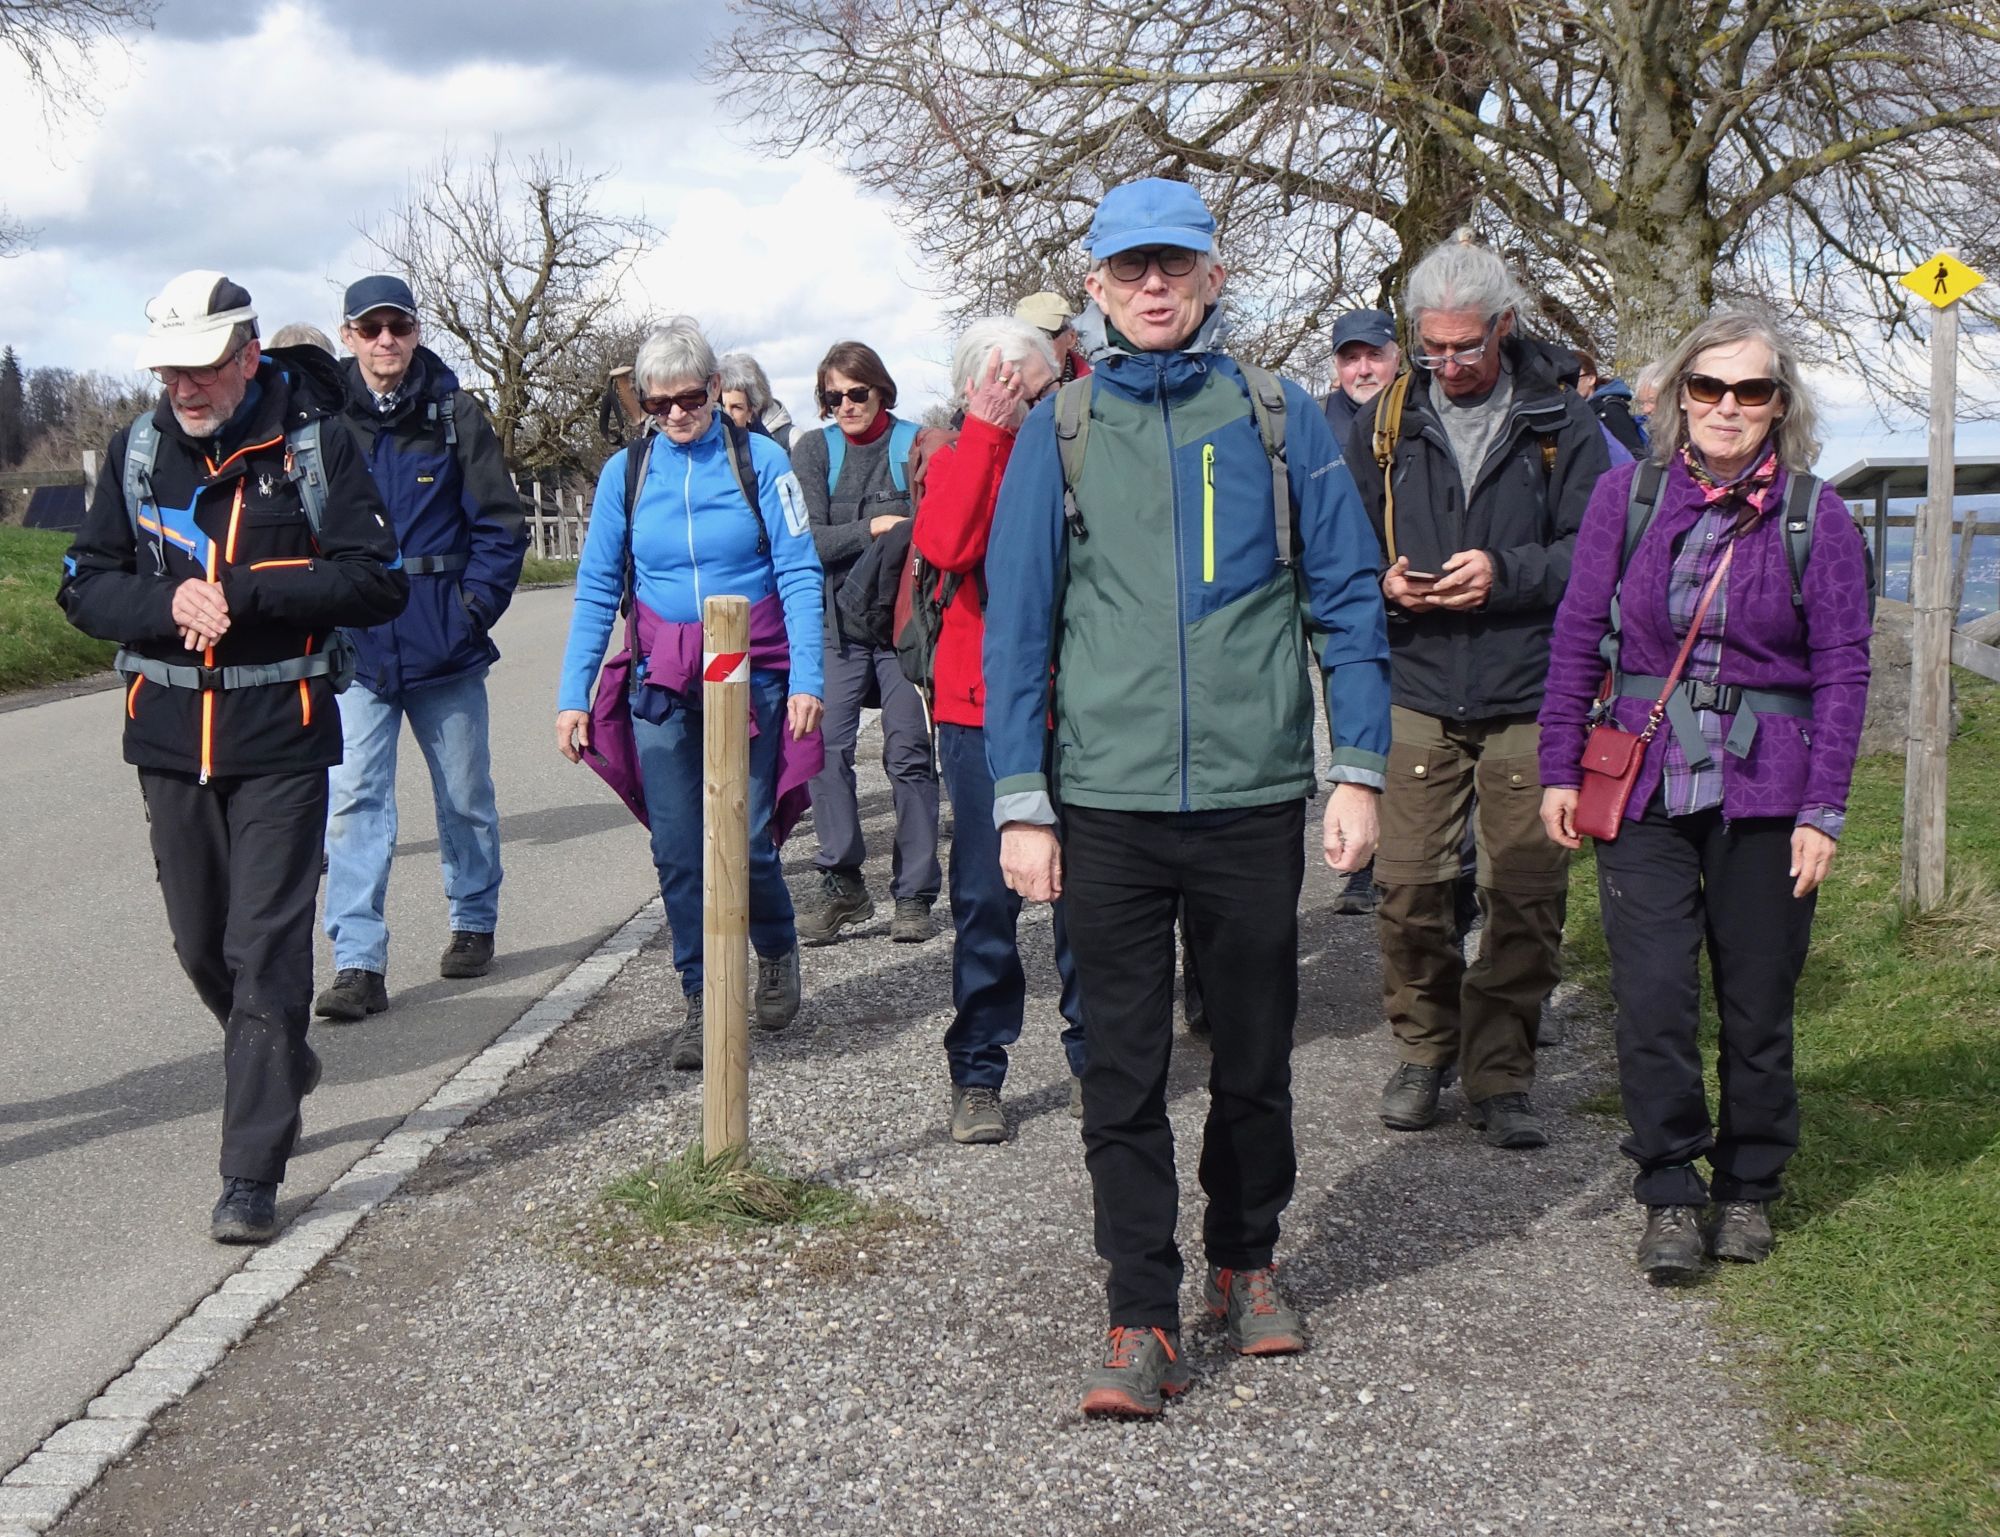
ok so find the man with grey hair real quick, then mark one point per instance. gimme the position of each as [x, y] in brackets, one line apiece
[1481, 468]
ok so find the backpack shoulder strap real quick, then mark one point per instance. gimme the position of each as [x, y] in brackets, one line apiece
[446, 411]
[1801, 500]
[1072, 437]
[1641, 502]
[305, 464]
[1267, 405]
[902, 437]
[836, 454]
[1548, 456]
[142, 449]
[636, 456]
[1389, 427]
[736, 441]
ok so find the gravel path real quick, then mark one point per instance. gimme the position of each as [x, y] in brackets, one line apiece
[480, 1358]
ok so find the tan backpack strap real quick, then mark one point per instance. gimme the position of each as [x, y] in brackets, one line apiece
[1388, 427]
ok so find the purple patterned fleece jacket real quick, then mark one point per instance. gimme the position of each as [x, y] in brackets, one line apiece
[1792, 763]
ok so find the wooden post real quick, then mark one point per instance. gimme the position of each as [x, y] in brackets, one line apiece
[1930, 638]
[725, 875]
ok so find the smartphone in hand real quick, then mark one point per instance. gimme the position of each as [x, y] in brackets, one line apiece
[1420, 578]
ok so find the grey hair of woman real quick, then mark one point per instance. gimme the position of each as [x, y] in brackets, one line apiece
[1461, 276]
[1017, 340]
[673, 353]
[740, 371]
[300, 334]
[1796, 431]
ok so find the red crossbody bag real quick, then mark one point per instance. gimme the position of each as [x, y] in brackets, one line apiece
[1611, 755]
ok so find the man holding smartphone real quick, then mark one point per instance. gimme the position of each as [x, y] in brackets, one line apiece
[1489, 466]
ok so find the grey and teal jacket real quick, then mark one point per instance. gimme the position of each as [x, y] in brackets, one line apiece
[1179, 644]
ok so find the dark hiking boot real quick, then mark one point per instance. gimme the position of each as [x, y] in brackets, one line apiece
[1410, 1098]
[1742, 1232]
[976, 1116]
[354, 995]
[468, 955]
[1257, 1320]
[247, 1212]
[1142, 1369]
[912, 922]
[1358, 894]
[1509, 1120]
[313, 1070]
[843, 900]
[1670, 1249]
[684, 1043]
[777, 996]
[1075, 1098]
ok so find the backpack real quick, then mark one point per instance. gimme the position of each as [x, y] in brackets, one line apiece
[902, 437]
[736, 442]
[1389, 426]
[923, 593]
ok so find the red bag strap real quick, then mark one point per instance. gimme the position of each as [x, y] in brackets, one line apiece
[1659, 710]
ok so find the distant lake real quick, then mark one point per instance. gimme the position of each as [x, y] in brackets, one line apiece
[1982, 574]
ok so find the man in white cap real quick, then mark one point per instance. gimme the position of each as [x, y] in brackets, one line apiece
[232, 531]
[1051, 314]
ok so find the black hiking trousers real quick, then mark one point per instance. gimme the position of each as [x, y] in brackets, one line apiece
[238, 861]
[1237, 876]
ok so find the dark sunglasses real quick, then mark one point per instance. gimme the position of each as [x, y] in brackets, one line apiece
[1705, 389]
[1130, 266]
[399, 328]
[690, 401]
[859, 394]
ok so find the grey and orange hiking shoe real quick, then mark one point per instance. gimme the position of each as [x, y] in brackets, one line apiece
[1258, 1321]
[1742, 1232]
[1142, 1369]
[843, 900]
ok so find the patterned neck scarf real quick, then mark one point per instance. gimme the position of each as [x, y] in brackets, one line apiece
[1751, 490]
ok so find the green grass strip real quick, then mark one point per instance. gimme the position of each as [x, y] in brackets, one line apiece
[1877, 1321]
[38, 645]
[730, 1192]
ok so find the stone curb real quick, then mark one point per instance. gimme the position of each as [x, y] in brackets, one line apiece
[36, 1493]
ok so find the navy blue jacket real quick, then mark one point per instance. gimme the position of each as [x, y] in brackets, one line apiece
[443, 502]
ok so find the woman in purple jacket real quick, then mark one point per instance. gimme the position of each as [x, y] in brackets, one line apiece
[1733, 821]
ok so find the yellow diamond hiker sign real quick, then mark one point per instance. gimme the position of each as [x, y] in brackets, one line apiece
[1942, 280]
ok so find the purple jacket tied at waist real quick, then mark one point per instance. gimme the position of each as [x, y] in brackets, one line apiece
[673, 661]
[1768, 644]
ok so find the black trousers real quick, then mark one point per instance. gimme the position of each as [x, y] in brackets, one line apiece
[238, 860]
[1126, 877]
[1669, 885]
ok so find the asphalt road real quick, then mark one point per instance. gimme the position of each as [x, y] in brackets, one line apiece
[111, 1072]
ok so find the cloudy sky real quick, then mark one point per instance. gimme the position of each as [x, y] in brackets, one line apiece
[254, 137]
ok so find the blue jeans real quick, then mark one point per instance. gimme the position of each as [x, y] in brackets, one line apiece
[988, 987]
[449, 721]
[670, 771]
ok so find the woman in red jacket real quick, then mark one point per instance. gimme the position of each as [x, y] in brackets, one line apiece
[1000, 368]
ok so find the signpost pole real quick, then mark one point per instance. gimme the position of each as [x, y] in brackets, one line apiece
[725, 876]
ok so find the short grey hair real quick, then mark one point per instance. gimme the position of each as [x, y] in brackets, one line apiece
[1795, 434]
[1017, 340]
[672, 352]
[740, 371]
[301, 334]
[1459, 275]
[1652, 377]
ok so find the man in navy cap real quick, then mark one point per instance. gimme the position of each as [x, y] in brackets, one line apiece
[1183, 504]
[438, 466]
[1365, 360]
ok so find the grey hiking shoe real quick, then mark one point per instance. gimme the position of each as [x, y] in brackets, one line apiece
[1075, 1098]
[1258, 1321]
[684, 1042]
[1670, 1249]
[246, 1213]
[1509, 1120]
[843, 900]
[1410, 1098]
[1742, 1232]
[777, 996]
[354, 995]
[1142, 1369]
[976, 1116]
[912, 923]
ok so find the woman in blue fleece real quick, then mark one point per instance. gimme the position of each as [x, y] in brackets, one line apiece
[693, 535]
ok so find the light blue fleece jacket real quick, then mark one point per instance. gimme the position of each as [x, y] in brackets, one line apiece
[693, 538]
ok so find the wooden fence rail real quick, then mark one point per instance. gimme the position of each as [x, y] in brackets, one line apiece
[556, 520]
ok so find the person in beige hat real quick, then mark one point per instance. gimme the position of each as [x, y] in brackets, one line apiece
[1050, 313]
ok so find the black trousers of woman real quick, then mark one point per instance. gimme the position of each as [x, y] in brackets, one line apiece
[1669, 886]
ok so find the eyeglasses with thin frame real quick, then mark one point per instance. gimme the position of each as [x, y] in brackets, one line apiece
[202, 378]
[858, 394]
[1172, 260]
[690, 401]
[1707, 390]
[400, 327]
[1464, 357]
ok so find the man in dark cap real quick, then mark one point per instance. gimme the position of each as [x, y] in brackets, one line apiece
[1365, 360]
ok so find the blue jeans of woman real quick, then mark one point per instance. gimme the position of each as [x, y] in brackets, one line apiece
[670, 772]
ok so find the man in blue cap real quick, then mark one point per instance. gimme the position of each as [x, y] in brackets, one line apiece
[1158, 527]
[437, 464]
[1365, 360]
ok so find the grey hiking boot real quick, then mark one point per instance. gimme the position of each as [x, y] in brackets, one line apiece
[777, 996]
[354, 994]
[684, 1042]
[976, 1116]
[1742, 1232]
[912, 922]
[1142, 1369]
[843, 899]
[1410, 1098]
[1509, 1120]
[1670, 1249]
[1258, 1321]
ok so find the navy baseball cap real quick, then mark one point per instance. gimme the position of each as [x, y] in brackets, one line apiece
[1371, 326]
[1148, 213]
[378, 293]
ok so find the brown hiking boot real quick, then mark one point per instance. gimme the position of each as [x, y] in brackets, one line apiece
[1142, 1369]
[843, 900]
[1742, 1232]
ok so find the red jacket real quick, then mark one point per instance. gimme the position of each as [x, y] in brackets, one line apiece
[961, 483]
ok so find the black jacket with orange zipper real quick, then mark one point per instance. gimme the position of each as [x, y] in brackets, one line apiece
[286, 595]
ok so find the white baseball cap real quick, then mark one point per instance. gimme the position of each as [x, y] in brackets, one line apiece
[192, 320]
